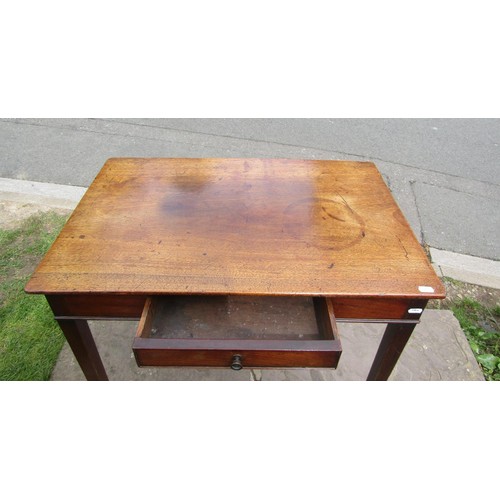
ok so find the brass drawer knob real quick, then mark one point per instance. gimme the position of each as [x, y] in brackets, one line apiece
[236, 362]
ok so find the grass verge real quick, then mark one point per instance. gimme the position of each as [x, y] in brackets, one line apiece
[30, 339]
[481, 327]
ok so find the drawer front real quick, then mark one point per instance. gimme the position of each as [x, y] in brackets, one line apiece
[225, 353]
[323, 351]
[380, 309]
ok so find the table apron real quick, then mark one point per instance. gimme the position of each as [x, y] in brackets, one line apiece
[130, 307]
[87, 306]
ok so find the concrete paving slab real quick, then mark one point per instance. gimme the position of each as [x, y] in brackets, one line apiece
[41, 193]
[459, 222]
[466, 268]
[438, 350]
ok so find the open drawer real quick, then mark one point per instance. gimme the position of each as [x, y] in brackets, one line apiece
[237, 332]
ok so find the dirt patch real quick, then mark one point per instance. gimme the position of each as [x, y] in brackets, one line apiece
[26, 233]
[457, 290]
[13, 213]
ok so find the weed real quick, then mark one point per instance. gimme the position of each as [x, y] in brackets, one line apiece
[481, 327]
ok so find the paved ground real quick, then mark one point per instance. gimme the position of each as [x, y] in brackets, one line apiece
[443, 172]
[437, 350]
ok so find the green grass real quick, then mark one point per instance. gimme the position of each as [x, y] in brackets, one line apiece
[481, 327]
[30, 339]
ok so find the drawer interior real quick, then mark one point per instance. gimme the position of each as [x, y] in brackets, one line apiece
[201, 330]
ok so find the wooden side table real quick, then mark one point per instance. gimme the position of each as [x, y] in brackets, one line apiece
[216, 244]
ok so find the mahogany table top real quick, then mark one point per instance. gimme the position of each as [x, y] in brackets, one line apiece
[237, 226]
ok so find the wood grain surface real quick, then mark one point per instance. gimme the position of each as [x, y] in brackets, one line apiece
[237, 226]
